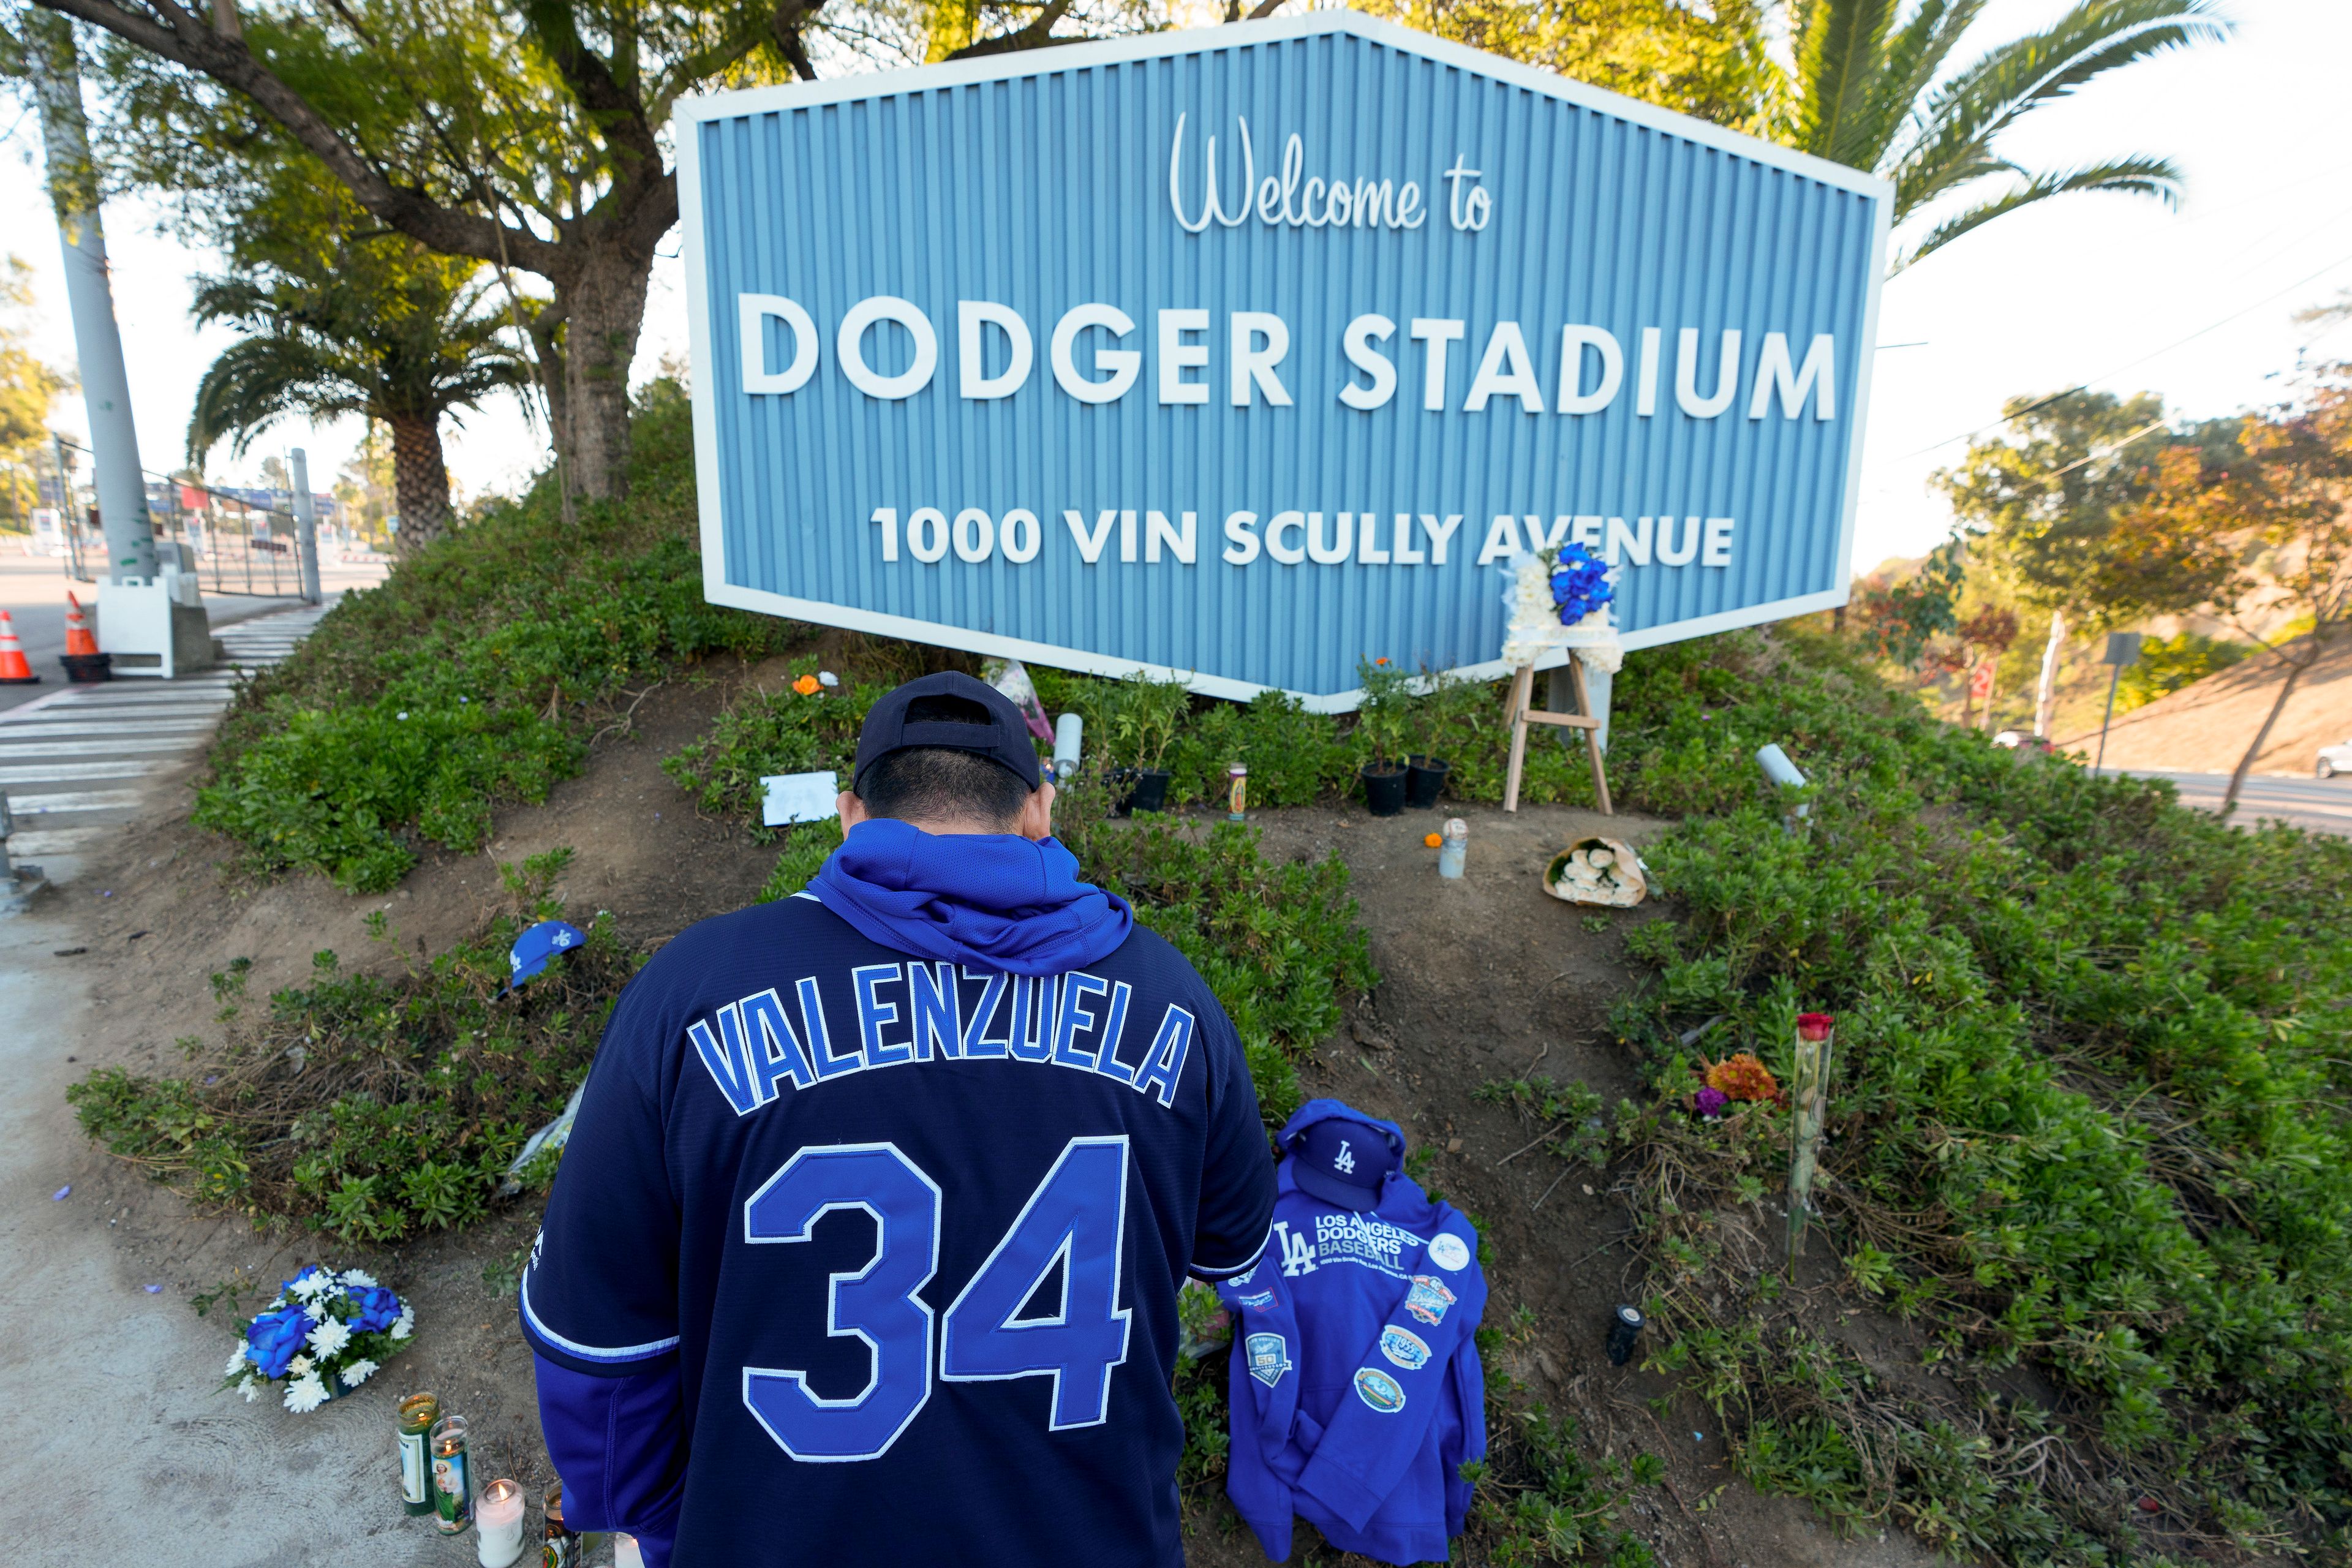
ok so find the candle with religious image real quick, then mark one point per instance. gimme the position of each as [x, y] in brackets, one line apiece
[452, 1487]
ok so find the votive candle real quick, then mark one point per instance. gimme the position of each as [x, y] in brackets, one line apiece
[497, 1524]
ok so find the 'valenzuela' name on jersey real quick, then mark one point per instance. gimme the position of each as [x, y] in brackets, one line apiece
[915, 1011]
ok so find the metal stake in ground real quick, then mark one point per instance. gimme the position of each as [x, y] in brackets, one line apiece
[1809, 1104]
[2123, 648]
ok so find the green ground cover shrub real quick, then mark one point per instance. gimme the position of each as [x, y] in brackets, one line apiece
[477, 673]
[370, 1108]
[2088, 1118]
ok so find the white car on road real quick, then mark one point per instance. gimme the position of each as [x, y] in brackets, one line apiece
[2334, 760]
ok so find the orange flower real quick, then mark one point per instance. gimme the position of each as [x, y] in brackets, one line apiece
[806, 686]
[1433, 840]
[1379, 661]
[1742, 1077]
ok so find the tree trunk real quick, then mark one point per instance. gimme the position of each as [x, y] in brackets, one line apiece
[420, 480]
[2045, 695]
[2294, 669]
[604, 307]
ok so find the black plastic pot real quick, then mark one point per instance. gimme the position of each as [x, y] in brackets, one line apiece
[1383, 791]
[1149, 790]
[88, 669]
[1425, 780]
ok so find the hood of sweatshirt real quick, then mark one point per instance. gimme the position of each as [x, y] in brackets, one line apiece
[992, 901]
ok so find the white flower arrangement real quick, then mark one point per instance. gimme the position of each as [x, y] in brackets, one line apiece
[324, 1333]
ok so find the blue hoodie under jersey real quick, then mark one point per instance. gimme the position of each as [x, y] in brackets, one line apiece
[867, 1242]
[1357, 1394]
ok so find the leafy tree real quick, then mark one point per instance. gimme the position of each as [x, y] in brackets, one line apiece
[2042, 502]
[1872, 91]
[1901, 619]
[2270, 534]
[1710, 62]
[27, 386]
[376, 327]
[527, 134]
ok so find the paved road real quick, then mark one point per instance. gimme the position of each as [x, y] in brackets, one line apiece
[2323, 805]
[33, 591]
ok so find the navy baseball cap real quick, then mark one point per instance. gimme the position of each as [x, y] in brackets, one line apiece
[1003, 738]
[1344, 1162]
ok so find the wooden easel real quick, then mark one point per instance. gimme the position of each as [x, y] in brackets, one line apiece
[1519, 714]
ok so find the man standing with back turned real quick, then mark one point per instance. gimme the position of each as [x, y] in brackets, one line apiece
[866, 1244]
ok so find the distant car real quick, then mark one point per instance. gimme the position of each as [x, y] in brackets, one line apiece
[2022, 741]
[2334, 760]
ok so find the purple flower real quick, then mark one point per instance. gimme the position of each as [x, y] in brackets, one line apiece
[1709, 1102]
[379, 1309]
[275, 1337]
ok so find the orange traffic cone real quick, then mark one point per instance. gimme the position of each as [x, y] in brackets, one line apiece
[15, 669]
[78, 637]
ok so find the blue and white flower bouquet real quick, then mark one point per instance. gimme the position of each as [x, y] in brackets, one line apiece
[326, 1333]
[1560, 598]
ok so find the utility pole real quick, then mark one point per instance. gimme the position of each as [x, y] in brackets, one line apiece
[306, 525]
[55, 69]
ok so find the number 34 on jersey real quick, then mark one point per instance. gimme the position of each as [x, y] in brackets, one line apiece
[1076, 1217]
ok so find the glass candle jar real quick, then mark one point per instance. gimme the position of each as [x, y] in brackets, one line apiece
[497, 1524]
[452, 1488]
[418, 1414]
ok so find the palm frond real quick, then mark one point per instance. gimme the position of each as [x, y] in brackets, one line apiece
[1958, 123]
[1915, 55]
[258, 381]
[1838, 60]
[2140, 177]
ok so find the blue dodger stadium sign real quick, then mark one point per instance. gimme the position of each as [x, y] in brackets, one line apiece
[1245, 352]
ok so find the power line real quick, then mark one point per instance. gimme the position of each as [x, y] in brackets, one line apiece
[2129, 365]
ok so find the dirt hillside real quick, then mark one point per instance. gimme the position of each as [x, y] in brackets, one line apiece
[2207, 726]
[1483, 979]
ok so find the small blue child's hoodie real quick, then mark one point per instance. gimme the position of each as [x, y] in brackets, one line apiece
[1356, 1389]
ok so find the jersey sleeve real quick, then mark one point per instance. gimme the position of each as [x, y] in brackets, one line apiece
[1265, 1355]
[600, 1294]
[1400, 1381]
[1236, 1213]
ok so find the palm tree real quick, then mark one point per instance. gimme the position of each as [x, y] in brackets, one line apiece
[376, 327]
[1868, 97]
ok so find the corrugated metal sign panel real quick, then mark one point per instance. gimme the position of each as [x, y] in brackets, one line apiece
[1038, 372]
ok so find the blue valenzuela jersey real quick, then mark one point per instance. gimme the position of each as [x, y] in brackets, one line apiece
[910, 1232]
[1356, 1390]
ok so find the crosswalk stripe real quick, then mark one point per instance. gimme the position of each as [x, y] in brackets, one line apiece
[12, 749]
[52, 840]
[203, 707]
[37, 735]
[64, 772]
[73, 800]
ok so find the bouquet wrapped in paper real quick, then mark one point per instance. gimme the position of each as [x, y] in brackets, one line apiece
[1560, 598]
[1604, 871]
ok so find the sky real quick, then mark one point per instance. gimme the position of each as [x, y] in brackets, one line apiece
[2195, 304]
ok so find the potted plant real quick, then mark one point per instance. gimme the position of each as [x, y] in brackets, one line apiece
[1143, 722]
[1424, 776]
[1383, 722]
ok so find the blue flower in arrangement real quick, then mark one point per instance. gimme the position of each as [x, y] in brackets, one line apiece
[273, 1339]
[1580, 583]
[379, 1309]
